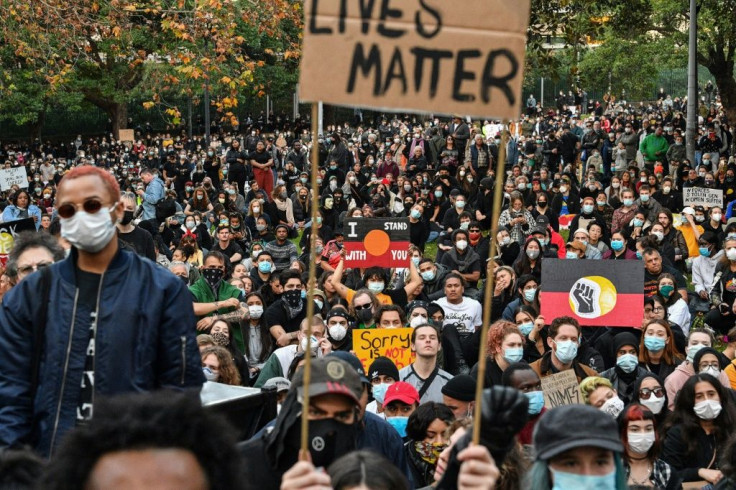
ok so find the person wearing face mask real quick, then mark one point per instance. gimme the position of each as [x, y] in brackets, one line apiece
[638, 429]
[714, 222]
[599, 394]
[382, 373]
[257, 343]
[567, 200]
[505, 346]
[88, 205]
[517, 218]
[213, 295]
[698, 429]
[677, 309]
[563, 340]
[281, 358]
[624, 374]
[507, 248]
[137, 238]
[425, 432]
[376, 281]
[668, 196]
[577, 446]
[542, 208]
[697, 339]
[647, 204]
[339, 332]
[463, 260]
[335, 390]
[721, 317]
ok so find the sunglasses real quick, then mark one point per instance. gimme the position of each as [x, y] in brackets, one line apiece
[90, 206]
[645, 393]
[363, 307]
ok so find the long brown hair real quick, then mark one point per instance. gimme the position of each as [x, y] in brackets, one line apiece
[670, 355]
[229, 374]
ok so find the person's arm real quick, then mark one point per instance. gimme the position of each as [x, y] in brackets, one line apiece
[237, 257]
[415, 280]
[201, 309]
[282, 338]
[336, 277]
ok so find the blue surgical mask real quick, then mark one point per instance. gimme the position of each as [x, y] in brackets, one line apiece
[627, 362]
[617, 245]
[566, 351]
[438, 194]
[638, 222]
[571, 255]
[536, 401]
[588, 208]
[638, 254]
[398, 423]
[654, 344]
[376, 286]
[379, 391]
[264, 267]
[526, 328]
[428, 275]
[644, 197]
[565, 481]
[529, 294]
[513, 354]
[628, 202]
[304, 294]
[416, 214]
[692, 350]
[320, 304]
[416, 260]
[704, 251]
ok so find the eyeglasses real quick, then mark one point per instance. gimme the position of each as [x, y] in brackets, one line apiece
[27, 269]
[645, 393]
[706, 365]
[658, 309]
[363, 307]
[90, 206]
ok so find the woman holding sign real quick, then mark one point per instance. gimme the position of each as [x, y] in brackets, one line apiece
[21, 208]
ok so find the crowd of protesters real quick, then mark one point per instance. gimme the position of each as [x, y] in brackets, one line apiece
[169, 261]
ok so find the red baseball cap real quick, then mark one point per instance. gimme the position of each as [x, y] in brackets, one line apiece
[403, 392]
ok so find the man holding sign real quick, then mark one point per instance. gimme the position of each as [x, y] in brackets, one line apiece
[564, 339]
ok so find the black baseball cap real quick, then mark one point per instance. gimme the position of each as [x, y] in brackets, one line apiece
[572, 426]
[330, 375]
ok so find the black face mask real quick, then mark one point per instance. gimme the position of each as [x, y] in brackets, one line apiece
[185, 279]
[293, 298]
[542, 204]
[365, 315]
[328, 440]
[213, 277]
[127, 218]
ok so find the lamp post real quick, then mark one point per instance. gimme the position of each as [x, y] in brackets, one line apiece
[691, 130]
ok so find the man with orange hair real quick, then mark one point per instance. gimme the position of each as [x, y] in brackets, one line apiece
[99, 323]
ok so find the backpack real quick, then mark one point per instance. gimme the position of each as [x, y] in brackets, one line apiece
[165, 207]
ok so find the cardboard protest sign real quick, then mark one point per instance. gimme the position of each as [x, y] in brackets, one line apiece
[13, 176]
[561, 389]
[8, 231]
[394, 343]
[701, 196]
[599, 293]
[376, 242]
[416, 55]
[127, 135]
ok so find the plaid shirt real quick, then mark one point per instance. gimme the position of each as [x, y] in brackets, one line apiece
[477, 157]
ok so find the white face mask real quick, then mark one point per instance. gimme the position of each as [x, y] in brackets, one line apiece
[712, 370]
[640, 442]
[418, 320]
[708, 409]
[613, 406]
[256, 311]
[314, 344]
[89, 232]
[338, 331]
[461, 244]
[654, 403]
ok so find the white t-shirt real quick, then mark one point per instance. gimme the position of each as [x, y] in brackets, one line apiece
[468, 312]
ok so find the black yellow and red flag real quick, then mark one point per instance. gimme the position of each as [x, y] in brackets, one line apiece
[600, 293]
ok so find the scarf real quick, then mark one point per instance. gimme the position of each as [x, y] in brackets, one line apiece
[284, 206]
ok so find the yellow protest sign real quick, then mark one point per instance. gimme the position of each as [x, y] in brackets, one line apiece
[416, 55]
[394, 343]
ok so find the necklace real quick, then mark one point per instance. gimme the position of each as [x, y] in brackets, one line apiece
[645, 481]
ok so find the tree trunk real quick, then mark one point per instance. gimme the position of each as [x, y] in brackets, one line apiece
[35, 128]
[119, 115]
[723, 75]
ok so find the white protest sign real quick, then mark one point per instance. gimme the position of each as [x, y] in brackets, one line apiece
[561, 389]
[13, 176]
[700, 196]
[416, 55]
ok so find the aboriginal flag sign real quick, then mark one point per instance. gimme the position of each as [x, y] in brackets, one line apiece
[376, 242]
[598, 293]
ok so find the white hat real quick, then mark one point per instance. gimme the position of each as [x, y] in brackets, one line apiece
[688, 210]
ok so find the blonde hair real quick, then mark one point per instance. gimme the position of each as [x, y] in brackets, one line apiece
[592, 383]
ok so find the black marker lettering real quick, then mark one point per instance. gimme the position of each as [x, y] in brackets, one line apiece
[461, 75]
[488, 80]
[420, 24]
[366, 14]
[313, 29]
[435, 56]
[365, 64]
[343, 15]
[387, 12]
[396, 70]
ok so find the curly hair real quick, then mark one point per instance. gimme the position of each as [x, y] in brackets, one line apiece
[497, 332]
[229, 374]
[162, 420]
[590, 384]
[30, 239]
